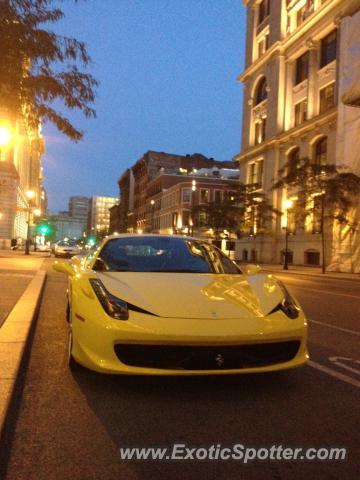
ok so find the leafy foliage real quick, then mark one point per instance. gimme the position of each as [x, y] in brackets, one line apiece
[39, 67]
[244, 211]
[316, 186]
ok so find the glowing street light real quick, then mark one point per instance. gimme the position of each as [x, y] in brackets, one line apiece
[30, 194]
[5, 135]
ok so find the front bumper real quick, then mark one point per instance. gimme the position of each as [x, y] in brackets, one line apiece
[149, 345]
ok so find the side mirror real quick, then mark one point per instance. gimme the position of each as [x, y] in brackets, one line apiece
[63, 267]
[100, 265]
[76, 260]
[251, 269]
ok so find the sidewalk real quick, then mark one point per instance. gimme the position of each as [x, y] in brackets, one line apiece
[21, 284]
[309, 271]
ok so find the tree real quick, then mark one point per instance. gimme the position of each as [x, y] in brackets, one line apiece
[39, 67]
[244, 210]
[323, 193]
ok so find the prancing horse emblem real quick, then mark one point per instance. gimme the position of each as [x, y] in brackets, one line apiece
[219, 359]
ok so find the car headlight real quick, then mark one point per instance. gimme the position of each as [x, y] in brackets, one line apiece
[288, 304]
[113, 306]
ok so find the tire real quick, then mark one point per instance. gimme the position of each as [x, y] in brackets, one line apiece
[70, 359]
[68, 312]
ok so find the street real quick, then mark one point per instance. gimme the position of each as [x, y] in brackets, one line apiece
[70, 425]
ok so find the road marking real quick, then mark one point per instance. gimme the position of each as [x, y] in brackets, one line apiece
[325, 291]
[334, 373]
[352, 332]
[336, 361]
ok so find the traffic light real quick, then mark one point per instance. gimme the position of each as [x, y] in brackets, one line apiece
[44, 229]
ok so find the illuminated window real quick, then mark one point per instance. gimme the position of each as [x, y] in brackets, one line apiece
[301, 112]
[204, 195]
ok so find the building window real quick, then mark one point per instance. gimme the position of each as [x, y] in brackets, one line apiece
[320, 152]
[327, 97]
[218, 196]
[263, 45]
[264, 10]
[328, 49]
[261, 91]
[312, 257]
[255, 173]
[304, 12]
[301, 112]
[293, 160]
[204, 195]
[245, 255]
[186, 195]
[302, 68]
[260, 131]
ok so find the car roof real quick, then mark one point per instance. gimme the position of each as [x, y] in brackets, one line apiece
[137, 235]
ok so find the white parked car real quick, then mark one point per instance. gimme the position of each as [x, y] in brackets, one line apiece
[66, 248]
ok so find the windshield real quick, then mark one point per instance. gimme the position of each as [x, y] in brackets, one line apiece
[67, 243]
[163, 254]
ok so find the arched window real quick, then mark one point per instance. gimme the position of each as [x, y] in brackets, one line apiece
[260, 92]
[293, 160]
[320, 151]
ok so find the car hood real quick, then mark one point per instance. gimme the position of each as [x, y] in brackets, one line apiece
[187, 295]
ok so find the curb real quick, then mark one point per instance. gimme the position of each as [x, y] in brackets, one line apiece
[14, 336]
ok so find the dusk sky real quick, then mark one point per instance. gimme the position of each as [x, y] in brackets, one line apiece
[167, 73]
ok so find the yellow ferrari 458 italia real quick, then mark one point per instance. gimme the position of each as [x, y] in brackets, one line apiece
[172, 305]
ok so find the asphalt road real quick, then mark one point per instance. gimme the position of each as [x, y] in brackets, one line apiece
[71, 425]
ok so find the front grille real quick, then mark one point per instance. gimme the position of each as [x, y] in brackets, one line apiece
[187, 357]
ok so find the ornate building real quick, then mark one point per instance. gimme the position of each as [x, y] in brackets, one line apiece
[21, 175]
[293, 109]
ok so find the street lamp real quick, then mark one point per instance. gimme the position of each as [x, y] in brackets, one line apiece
[30, 194]
[193, 189]
[152, 203]
[287, 205]
[5, 135]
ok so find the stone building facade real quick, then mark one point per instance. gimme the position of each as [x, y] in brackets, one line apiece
[291, 108]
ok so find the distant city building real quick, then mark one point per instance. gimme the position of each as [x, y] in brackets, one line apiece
[21, 148]
[158, 192]
[99, 214]
[301, 71]
[66, 227]
[79, 209]
[115, 224]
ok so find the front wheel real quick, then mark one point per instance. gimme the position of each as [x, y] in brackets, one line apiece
[70, 359]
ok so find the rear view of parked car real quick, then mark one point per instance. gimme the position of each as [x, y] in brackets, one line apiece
[66, 248]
